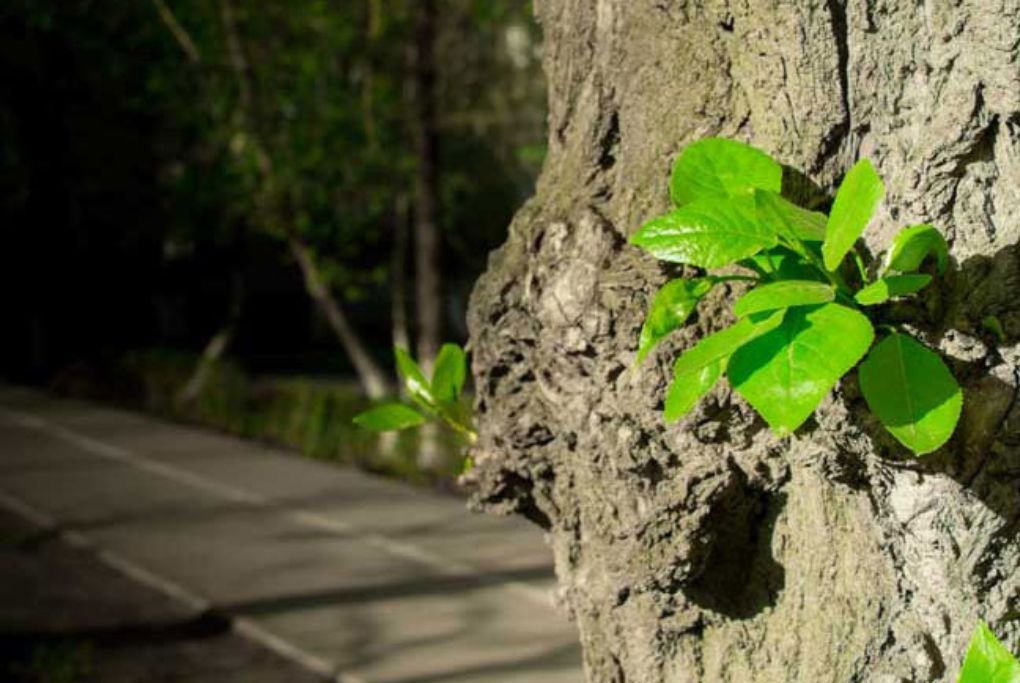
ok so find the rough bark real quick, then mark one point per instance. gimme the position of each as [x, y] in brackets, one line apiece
[711, 550]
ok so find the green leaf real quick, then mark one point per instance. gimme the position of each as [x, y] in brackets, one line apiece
[449, 374]
[786, 218]
[389, 417]
[855, 204]
[988, 661]
[912, 392]
[715, 168]
[783, 294]
[670, 308]
[708, 232]
[913, 245]
[687, 389]
[721, 344]
[891, 286]
[786, 373]
[779, 263]
[414, 379]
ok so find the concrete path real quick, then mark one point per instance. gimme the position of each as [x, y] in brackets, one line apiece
[359, 579]
[67, 616]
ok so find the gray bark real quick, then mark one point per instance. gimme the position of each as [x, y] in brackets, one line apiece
[712, 550]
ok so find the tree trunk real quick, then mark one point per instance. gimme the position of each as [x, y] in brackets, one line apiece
[711, 550]
[216, 347]
[428, 289]
[268, 209]
[398, 276]
[428, 280]
[372, 379]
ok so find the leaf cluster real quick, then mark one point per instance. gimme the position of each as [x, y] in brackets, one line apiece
[438, 398]
[805, 322]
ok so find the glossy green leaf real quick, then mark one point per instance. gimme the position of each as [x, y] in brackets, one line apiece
[988, 660]
[449, 374]
[913, 245]
[721, 344]
[389, 417]
[716, 168]
[786, 218]
[417, 386]
[855, 204]
[891, 286]
[710, 233]
[912, 392]
[784, 294]
[786, 373]
[687, 389]
[670, 308]
[779, 263]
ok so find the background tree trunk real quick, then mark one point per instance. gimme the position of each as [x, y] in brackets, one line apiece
[427, 275]
[270, 210]
[428, 281]
[711, 550]
[398, 275]
[217, 346]
[371, 378]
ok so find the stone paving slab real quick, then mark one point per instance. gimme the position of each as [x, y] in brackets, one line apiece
[65, 616]
[368, 579]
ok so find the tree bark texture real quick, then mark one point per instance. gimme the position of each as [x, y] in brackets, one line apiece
[711, 550]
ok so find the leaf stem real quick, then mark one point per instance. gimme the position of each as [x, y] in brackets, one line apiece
[467, 432]
[860, 266]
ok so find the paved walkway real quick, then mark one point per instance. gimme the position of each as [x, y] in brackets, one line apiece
[359, 579]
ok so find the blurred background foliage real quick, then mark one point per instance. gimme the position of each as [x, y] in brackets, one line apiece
[164, 165]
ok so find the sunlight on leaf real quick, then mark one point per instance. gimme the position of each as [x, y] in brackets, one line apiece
[449, 374]
[913, 245]
[716, 168]
[786, 373]
[988, 661]
[855, 204]
[788, 219]
[890, 287]
[389, 417]
[784, 294]
[688, 388]
[670, 308]
[708, 233]
[414, 379]
[913, 393]
[721, 344]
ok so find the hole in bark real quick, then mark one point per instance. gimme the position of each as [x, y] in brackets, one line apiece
[652, 472]
[741, 577]
[615, 373]
[610, 139]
